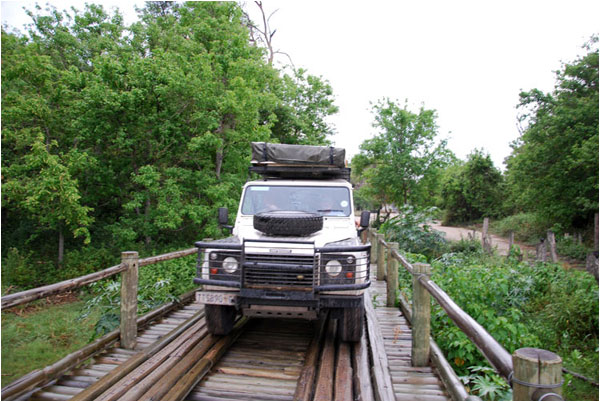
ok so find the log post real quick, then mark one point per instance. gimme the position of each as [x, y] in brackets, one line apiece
[392, 276]
[374, 246]
[540, 251]
[421, 315]
[537, 375]
[552, 242]
[511, 240]
[380, 258]
[129, 290]
[484, 235]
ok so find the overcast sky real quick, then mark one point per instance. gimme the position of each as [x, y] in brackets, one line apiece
[466, 59]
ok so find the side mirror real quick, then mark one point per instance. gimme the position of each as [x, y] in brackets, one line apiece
[224, 218]
[365, 217]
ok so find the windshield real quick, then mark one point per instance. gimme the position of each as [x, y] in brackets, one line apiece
[326, 201]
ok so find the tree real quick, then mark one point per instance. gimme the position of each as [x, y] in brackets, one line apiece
[472, 190]
[553, 167]
[145, 128]
[399, 161]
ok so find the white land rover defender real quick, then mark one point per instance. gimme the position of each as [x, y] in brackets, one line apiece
[295, 250]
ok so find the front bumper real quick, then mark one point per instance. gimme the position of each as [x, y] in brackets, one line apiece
[283, 272]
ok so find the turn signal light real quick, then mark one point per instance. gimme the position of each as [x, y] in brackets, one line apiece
[349, 275]
[214, 271]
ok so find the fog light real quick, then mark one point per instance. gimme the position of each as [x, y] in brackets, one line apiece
[349, 275]
[333, 268]
[214, 271]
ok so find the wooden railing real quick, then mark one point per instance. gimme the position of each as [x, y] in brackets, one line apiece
[130, 262]
[532, 373]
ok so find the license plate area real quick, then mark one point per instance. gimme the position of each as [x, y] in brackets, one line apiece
[224, 299]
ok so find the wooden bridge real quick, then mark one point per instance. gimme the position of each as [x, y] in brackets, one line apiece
[170, 356]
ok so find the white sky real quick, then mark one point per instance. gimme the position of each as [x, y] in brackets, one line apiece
[467, 59]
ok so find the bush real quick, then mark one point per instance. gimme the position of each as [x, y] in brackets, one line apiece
[158, 284]
[569, 247]
[527, 227]
[412, 233]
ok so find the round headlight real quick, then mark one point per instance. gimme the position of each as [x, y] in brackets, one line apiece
[230, 265]
[350, 259]
[333, 268]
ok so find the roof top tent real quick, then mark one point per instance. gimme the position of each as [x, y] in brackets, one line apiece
[285, 161]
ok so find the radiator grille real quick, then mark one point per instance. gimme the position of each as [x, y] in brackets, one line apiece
[276, 271]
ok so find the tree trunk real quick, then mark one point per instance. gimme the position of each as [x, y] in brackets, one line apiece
[61, 246]
[147, 239]
[219, 162]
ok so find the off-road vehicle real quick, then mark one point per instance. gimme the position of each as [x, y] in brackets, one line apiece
[295, 250]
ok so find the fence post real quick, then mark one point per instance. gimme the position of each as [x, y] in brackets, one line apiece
[537, 375]
[129, 290]
[540, 251]
[552, 243]
[374, 245]
[421, 315]
[485, 240]
[392, 276]
[380, 258]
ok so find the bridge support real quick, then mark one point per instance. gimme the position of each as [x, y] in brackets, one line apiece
[421, 315]
[129, 291]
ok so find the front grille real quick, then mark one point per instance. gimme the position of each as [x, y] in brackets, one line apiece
[263, 271]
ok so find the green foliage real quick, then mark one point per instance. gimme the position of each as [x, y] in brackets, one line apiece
[16, 268]
[487, 384]
[401, 162]
[472, 190]
[553, 168]
[527, 227]
[158, 284]
[119, 136]
[411, 231]
[40, 335]
[520, 305]
[570, 247]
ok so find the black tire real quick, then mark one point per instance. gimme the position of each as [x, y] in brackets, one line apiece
[288, 223]
[350, 324]
[219, 319]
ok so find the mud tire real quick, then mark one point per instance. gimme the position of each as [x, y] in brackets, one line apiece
[351, 324]
[288, 223]
[219, 319]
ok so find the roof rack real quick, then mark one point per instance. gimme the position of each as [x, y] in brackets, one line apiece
[310, 172]
[288, 161]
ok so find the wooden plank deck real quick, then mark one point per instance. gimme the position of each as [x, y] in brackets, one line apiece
[409, 383]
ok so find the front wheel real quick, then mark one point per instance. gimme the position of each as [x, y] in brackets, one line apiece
[351, 323]
[219, 319]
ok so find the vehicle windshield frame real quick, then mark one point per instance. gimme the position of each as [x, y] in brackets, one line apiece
[312, 199]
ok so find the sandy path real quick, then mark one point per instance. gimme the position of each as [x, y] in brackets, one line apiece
[455, 234]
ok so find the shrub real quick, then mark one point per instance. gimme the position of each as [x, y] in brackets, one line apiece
[569, 247]
[411, 231]
[527, 227]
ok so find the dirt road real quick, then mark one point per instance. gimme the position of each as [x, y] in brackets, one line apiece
[456, 233]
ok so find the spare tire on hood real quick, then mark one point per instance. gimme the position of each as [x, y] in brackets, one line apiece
[288, 223]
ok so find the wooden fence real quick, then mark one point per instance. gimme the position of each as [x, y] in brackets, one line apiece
[534, 374]
[130, 322]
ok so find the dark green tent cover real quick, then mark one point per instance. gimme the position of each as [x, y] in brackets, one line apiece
[266, 153]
